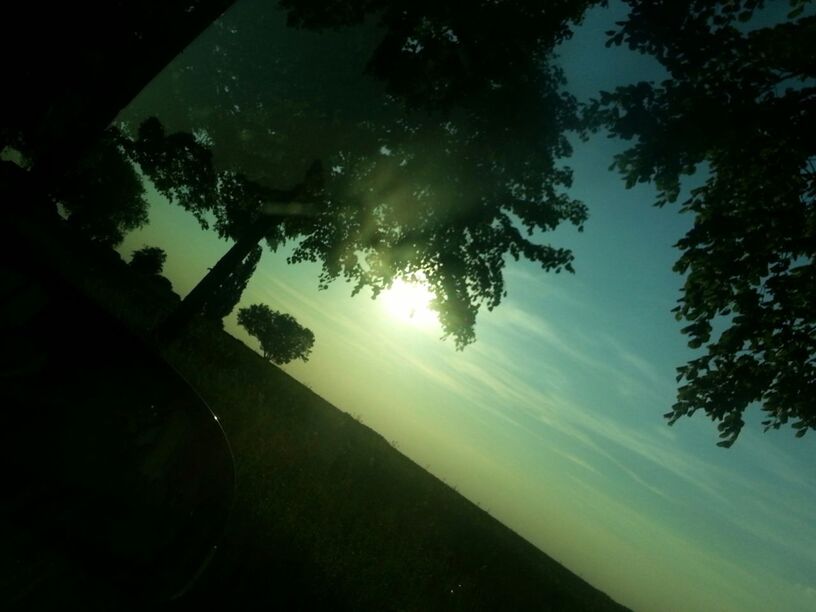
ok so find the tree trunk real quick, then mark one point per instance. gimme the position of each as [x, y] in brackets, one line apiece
[280, 204]
[175, 323]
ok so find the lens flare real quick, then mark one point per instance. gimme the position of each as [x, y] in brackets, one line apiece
[410, 303]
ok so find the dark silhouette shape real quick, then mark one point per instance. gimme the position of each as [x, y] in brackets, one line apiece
[179, 166]
[102, 193]
[488, 69]
[741, 101]
[226, 298]
[265, 214]
[441, 181]
[436, 55]
[66, 97]
[282, 338]
[128, 478]
[148, 260]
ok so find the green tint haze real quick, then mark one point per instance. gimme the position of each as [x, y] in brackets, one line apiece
[552, 420]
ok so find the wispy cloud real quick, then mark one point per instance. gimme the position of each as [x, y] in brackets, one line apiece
[599, 356]
[533, 392]
[611, 442]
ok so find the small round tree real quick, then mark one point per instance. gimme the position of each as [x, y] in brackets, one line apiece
[282, 338]
[148, 260]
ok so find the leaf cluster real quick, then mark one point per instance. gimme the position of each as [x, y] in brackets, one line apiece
[101, 192]
[282, 338]
[740, 107]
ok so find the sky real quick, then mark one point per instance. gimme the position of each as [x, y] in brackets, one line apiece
[552, 421]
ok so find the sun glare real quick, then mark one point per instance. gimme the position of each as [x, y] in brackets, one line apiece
[410, 303]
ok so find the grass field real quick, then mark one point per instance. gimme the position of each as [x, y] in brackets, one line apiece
[327, 515]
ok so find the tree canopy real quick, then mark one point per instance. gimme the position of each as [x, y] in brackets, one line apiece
[436, 55]
[738, 108]
[282, 338]
[449, 161]
[179, 166]
[452, 170]
[102, 194]
[148, 260]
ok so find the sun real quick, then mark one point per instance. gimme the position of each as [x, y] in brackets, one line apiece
[410, 303]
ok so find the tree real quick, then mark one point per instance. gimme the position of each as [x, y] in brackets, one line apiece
[179, 166]
[102, 194]
[282, 338]
[739, 108]
[739, 101]
[482, 71]
[148, 260]
[436, 55]
[224, 300]
[453, 170]
[247, 213]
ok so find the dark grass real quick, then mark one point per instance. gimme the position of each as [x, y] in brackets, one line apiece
[327, 515]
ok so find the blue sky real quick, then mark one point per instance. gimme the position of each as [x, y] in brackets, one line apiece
[552, 421]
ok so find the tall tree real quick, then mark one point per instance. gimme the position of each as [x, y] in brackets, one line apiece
[442, 177]
[451, 46]
[247, 213]
[739, 108]
[226, 298]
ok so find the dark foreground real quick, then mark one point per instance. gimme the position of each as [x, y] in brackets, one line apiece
[324, 513]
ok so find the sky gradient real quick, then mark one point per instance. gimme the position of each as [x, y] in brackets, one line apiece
[552, 420]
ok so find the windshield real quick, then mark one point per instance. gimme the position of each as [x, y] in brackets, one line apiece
[402, 305]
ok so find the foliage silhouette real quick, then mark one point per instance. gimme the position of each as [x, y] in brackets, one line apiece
[148, 260]
[102, 194]
[282, 338]
[77, 107]
[178, 165]
[740, 107]
[452, 161]
[444, 177]
[248, 213]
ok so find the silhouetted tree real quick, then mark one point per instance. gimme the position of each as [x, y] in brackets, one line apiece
[148, 260]
[740, 109]
[247, 213]
[442, 178]
[282, 338]
[224, 300]
[179, 166]
[740, 102]
[102, 194]
[438, 55]
[490, 62]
